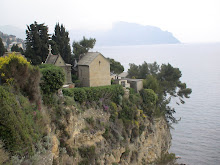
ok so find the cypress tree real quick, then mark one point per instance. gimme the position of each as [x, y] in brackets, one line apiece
[61, 38]
[37, 43]
[2, 48]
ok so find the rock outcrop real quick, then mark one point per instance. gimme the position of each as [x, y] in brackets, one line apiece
[91, 137]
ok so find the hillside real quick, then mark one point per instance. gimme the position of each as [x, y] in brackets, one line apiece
[10, 40]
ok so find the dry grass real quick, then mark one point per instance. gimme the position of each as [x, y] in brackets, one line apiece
[4, 156]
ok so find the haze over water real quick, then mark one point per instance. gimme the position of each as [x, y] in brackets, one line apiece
[196, 139]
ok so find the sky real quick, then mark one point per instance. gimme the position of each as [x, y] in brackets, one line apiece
[189, 20]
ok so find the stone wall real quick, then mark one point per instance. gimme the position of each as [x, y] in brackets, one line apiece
[83, 75]
[99, 72]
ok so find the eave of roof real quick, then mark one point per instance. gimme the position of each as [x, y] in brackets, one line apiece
[88, 58]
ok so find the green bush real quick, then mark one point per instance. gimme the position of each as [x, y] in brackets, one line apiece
[136, 99]
[84, 162]
[95, 93]
[20, 123]
[68, 92]
[149, 97]
[49, 99]
[151, 83]
[88, 154]
[90, 120]
[106, 134]
[79, 94]
[69, 101]
[17, 72]
[131, 91]
[113, 106]
[52, 78]
[166, 158]
[129, 110]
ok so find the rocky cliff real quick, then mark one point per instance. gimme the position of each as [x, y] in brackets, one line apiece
[90, 136]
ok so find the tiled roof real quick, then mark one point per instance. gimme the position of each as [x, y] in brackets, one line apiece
[123, 74]
[88, 58]
[51, 59]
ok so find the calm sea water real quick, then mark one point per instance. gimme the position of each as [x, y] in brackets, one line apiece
[196, 139]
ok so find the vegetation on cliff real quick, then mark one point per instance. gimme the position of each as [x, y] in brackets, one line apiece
[85, 126]
[22, 123]
[165, 81]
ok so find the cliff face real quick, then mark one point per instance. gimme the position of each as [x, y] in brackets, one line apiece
[91, 137]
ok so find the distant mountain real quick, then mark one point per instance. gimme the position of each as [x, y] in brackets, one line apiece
[12, 30]
[123, 33]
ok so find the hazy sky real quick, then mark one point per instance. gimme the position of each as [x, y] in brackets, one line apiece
[188, 20]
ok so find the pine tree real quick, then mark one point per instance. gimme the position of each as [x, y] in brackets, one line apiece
[37, 43]
[83, 46]
[2, 48]
[61, 38]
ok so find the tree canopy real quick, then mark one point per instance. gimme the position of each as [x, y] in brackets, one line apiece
[165, 81]
[141, 71]
[115, 66]
[61, 42]
[83, 46]
[16, 48]
[2, 48]
[37, 43]
[52, 78]
[16, 71]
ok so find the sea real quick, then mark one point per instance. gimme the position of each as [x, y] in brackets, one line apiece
[196, 138]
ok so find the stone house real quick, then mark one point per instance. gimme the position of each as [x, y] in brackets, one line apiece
[93, 70]
[57, 60]
[122, 82]
[136, 84]
[123, 75]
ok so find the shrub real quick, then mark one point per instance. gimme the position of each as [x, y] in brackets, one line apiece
[68, 92]
[32, 88]
[149, 97]
[4, 156]
[95, 93]
[71, 151]
[166, 158]
[20, 123]
[9, 64]
[136, 99]
[16, 71]
[69, 101]
[88, 154]
[84, 162]
[90, 121]
[106, 134]
[113, 106]
[79, 94]
[129, 110]
[131, 91]
[113, 111]
[52, 78]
